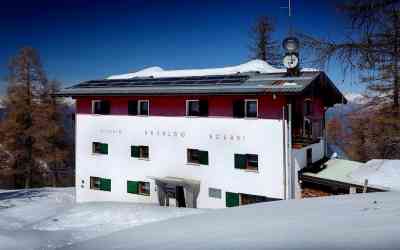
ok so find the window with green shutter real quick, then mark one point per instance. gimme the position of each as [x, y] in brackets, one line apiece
[246, 161]
[133, 187]
[232, 199]
[138, 187]
[100, 148]
[240, 161]
[203, 157]
[141, 152]
[105, 184]
[135, 152]
[197, 156]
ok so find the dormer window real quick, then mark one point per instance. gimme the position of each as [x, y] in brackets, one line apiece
[100, 107]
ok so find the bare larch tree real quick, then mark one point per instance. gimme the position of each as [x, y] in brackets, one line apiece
[262, 45]
[371, 46]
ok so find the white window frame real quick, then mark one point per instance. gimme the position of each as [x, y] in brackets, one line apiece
[138, 107]
[245, 108]
[93, 104]
[187, 107]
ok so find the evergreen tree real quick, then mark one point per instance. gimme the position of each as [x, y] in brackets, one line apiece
[262, 45]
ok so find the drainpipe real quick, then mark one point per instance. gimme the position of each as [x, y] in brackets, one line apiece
[284, 127]
[290, 158]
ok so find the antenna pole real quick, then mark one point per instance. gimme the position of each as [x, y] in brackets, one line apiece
[290, 17]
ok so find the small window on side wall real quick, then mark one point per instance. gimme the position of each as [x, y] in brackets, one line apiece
[101, 107]
[141, 152]
[100, 148]
[308, 108]
[214, 193]
[246, 161]
[196, 156]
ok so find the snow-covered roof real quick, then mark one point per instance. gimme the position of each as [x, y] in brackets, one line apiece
[381, 174]
[251, 66]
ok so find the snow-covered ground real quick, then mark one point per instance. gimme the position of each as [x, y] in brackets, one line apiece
[361, 221]
[48, 218]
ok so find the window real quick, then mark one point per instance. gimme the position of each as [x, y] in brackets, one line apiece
[246, 161]
[232, 199]
[236, 199]
[197, 156]
[132, 107]
[251, 108]
[309, 156]
[214, 193]
[138, 187]
[100, 107]
[196, 108]
[100, 148]
[308, 128]
[138, 107]
[308, 107]
[141, 152]
[245, 108]
[97, 183]
[143, 107]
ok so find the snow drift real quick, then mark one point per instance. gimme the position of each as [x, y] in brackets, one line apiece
[251, 66]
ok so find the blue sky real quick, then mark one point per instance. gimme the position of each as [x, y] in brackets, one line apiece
[82, 40]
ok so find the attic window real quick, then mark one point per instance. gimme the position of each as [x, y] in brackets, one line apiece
[100, 107]
[245, 108]
[196, 108]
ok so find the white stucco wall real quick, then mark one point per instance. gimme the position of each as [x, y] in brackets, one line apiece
[299, 160]
[168, 138]
[300, 155]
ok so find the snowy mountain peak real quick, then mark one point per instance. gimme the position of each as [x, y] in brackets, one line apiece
[250, 66]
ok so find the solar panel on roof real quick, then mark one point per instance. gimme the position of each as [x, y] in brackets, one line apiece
[191, 80]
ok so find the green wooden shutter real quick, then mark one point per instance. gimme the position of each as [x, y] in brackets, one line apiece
[135, 151]
[132, 107]
[105, 184]
[133, 187]
[238, 109]
[104, 148]
[240, 161]
[203, 157]
[231, 199]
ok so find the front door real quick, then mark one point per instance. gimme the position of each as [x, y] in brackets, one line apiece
[180, 197]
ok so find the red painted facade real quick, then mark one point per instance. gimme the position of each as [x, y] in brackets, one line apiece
[218, 106]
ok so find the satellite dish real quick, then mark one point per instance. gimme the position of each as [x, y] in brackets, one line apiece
[291, 44]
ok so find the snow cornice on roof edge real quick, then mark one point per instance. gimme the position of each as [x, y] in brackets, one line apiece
[256, 65]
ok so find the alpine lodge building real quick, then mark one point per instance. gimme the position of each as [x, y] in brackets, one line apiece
[208, 138]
